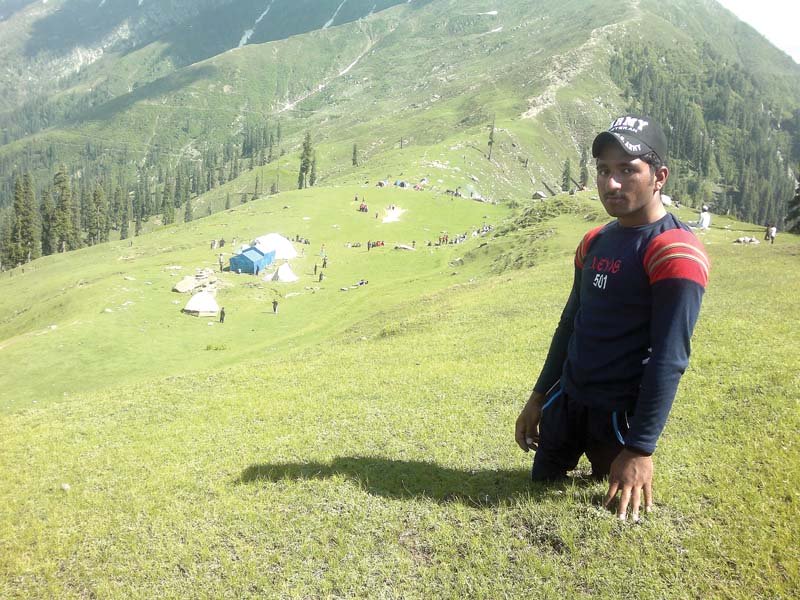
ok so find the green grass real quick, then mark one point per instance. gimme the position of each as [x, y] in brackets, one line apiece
[373, 456]
[109, 312]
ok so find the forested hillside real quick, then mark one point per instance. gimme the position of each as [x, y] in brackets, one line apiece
[134, 140]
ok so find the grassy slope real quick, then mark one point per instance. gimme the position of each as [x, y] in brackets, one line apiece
[132, 279]
[378, 460]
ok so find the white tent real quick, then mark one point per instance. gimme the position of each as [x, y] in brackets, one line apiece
[285, 274]
[272, 241]
[202, 305]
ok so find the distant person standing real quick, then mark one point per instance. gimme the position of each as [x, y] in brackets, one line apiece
[274, 307]
[773, 232]
[321, 276]
[222, 315]
[325, 262]
[315, 268]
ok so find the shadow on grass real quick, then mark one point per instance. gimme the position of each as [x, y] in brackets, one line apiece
[413, 479]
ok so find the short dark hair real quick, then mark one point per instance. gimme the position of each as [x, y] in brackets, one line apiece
[654, 160]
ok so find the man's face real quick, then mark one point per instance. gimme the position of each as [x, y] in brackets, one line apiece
[627, 187]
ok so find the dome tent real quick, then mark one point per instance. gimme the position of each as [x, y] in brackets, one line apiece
[203, 304]
[273, 242]
[284, 274]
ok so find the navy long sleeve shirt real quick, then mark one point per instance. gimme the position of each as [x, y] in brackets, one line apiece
[623, 340]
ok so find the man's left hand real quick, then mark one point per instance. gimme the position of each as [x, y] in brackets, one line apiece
[631, 474]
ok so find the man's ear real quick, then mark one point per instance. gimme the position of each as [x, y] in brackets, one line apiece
[662, 174]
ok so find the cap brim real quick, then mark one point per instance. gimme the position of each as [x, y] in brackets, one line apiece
[629, 144]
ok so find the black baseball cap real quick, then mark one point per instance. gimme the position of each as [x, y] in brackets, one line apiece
[636, 134]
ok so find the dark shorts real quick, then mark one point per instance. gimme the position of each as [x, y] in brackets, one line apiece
[569, 429]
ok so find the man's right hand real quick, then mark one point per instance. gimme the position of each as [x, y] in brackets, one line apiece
[527, 428]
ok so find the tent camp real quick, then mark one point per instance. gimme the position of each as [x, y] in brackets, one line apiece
[252, 260]
[202, 304]
[284, 274]
[273, 242]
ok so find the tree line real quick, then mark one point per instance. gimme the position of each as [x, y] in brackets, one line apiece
[731, 142]
[99, 200]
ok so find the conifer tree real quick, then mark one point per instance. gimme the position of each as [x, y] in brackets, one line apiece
[115, 213]
[5, 242]
[63, 230]
[355, 155]
[187, 214]
[306, 157]
[178, 191]
[86, 204]
[14, 254]
[584, 176]
[793, 213]
[125, 217]
[98, 220]
[168, 205]
[491, 139]
[31, 225]
[566, 176]
[312, 177]
[138, 215]
[47, 213]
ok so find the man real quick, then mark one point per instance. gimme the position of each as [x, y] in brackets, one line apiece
[622, 343]
[222, 315]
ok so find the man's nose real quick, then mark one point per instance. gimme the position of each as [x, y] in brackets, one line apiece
[614, 181]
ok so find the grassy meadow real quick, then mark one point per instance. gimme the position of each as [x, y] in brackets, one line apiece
[360, 444]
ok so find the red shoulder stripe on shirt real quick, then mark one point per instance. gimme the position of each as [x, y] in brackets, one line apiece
[676, 254]
[583, 247]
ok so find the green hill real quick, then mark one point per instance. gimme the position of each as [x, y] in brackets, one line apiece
[359, 443]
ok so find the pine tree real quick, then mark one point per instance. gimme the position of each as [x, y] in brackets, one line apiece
[168, 205]
[98, 220]
[125, 216]
[306, 157]
[566, 176]
[355, 155]
[31, 225]
[187, 214]
[63, 230]
[14, 254]
[491, 138]
[793, 213]
[115, 212]
[5, 241]
[312, 177]
[584, 176]
[47, 213]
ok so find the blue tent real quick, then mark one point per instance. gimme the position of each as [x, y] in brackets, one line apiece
[251, 260]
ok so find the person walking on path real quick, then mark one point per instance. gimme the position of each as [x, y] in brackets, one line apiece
[623, 340]
[222, 315]
[274, 307]
[325, 262]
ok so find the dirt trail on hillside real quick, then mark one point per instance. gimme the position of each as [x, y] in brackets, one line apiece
[566, 67]
[325, 83]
